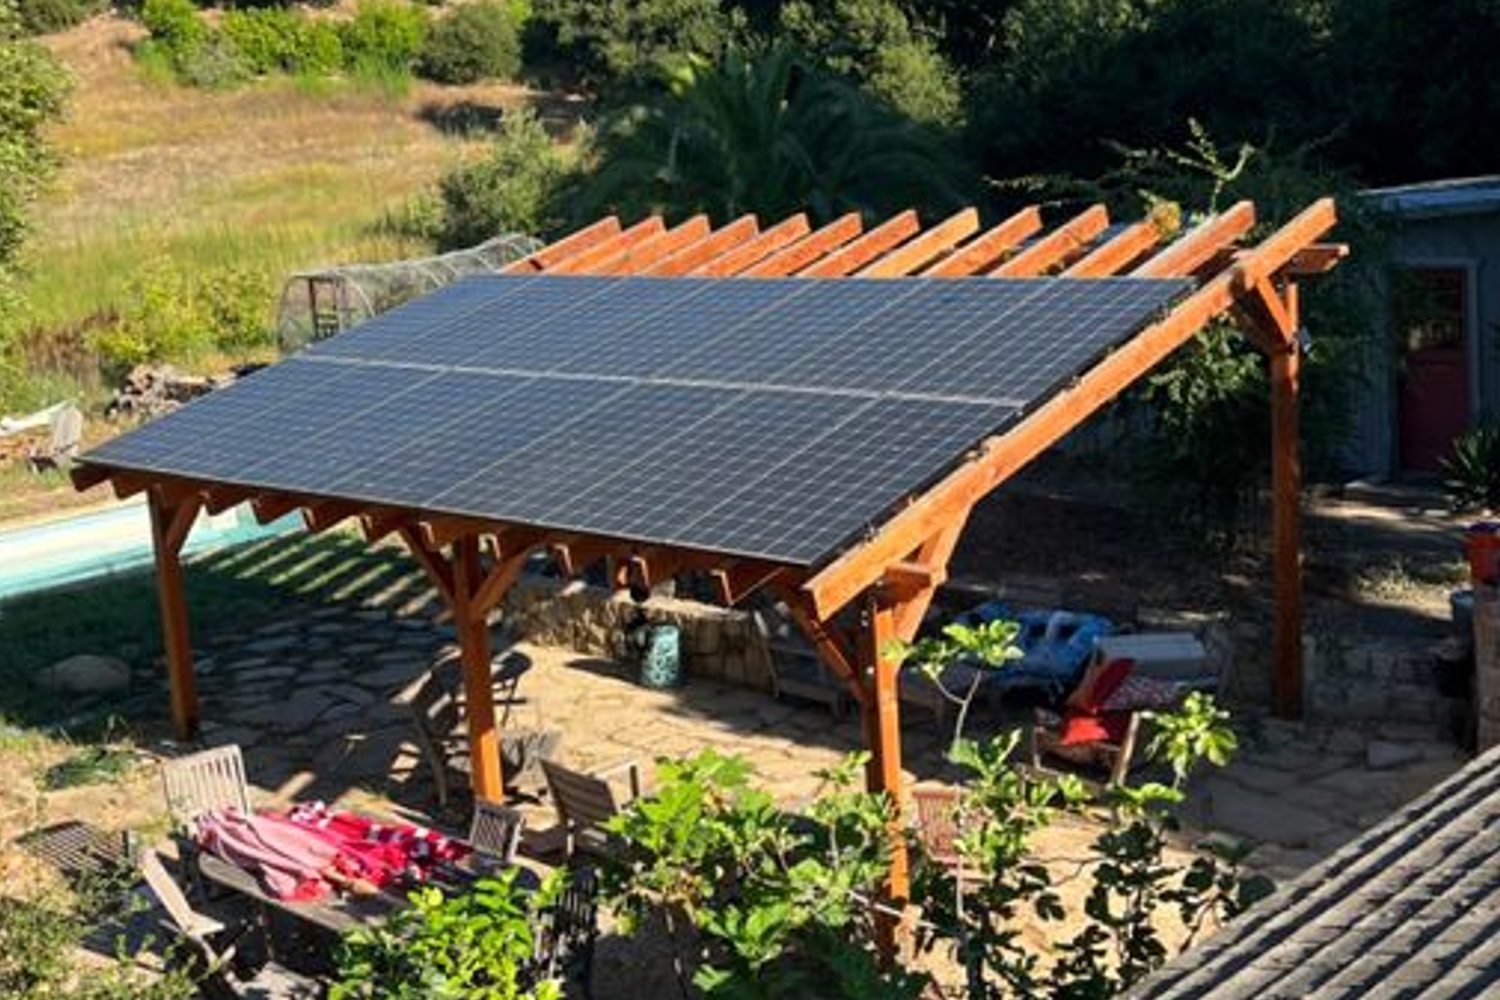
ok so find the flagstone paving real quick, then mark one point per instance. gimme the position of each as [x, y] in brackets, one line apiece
[310, 700]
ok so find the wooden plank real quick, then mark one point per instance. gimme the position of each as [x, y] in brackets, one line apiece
[584, 261]
[181, 680]
[743, 255]
[922, 249]
[866, 248]
[1286, 514]
[439, 571]
[1057, 247]
[1118, 253]
[715, 243]
[808, 249]
[910, 577]
[584, 239]
[833, 648]
[655, 249]
[1201, 243]
[882, 722]
[472, 624]
[843, 579]
[986, 250]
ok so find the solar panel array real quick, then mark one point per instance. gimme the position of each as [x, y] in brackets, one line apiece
[775, 418]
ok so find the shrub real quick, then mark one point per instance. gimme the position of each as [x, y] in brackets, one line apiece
[477, 41]
[635, 39]
[43, 17]
[174, 24]
[214, 63]
[383, 37]
[275, 40]
[1471, 472]
[514, 189]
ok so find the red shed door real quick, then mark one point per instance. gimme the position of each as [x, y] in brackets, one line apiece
[1431, 313]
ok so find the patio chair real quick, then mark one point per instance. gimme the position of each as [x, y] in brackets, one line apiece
[202, 933]
[585, 802]
[203, 782]
[567, 931]
[496, 830]
[440, 732]
[796, 669]
[62, 446]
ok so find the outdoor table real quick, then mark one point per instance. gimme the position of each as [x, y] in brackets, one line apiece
[343, 911]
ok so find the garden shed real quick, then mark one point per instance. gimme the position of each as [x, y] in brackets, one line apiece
[624, 394]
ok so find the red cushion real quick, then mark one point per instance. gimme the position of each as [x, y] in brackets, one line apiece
[1109, 727]
[1105, 683]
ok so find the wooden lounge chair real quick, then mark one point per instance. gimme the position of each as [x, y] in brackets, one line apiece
[203, 782]
[202, 934]
[585, 802]
[566, 933]
[441, 734]
[496, 830]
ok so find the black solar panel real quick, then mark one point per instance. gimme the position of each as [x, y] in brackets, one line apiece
[776, 418]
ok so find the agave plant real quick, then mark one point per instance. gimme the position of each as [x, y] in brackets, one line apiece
[1472, 470]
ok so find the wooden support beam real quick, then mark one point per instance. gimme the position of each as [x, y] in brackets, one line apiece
[584, 261]
[441, 531]
[270, 507]
[1200, 244]
[574, 555]
[126, 485]
[323, 515]
[833, 647]
[439, 571]
[924, 248]
[743, 255]
[1286, 513]
[850, 574]
[218, 499]
[87, 476]
[935, 551]
[808, 249]
[910, 577]
[169, 529]
[882, 723]
[509, 564]
[1057, 247]
[1118, 253]
[866, 248]
[715, 243]
[471, 620]
[376, 524]
[585, 239]
[985, 251]
[643, 255]
[742, 578]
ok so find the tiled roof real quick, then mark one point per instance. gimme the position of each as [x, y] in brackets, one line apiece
[1409, 909]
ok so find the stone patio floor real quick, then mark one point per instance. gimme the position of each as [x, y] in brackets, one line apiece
[310, 700]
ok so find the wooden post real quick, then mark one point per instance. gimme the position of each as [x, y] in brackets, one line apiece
[1286, 513]
[170, 524]
[882, 723]
[471, 618]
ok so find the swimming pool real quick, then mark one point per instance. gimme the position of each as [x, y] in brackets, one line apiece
[115, 539]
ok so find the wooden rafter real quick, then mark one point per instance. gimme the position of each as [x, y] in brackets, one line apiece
[868, 247]
[323, 515]
[1057, 247]
[986, 250]
[1201, 244]
[270, 507]
[218, 499]
[697, 254]
[743, 577]
[809, 248]
[656, 248]
[1118, 253]
[584, 239]
[735, 259]
[922, 249]
[587, 260]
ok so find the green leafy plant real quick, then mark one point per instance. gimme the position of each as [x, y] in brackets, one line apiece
[383, 38]
[478, 944]
[94, 765]
[514, 189]
[1471, 472]
[476, 41]
[989, 646]
[42, 17]
[279, 40]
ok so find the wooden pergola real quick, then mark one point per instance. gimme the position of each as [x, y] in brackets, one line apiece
[852, 604]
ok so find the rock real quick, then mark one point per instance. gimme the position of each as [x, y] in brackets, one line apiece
[86, 673]
[1383, 755]
[1267, 819]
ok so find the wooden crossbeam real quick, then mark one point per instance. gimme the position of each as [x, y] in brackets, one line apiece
[438, 569]
[1055, 249]
[706, 249]
[935, 551]
[985, 250]
[323, 515]
[737, 258]
[808, 249]
[657, 248]
[866, 248]
[1113, 256]
[549, 255]
[1200, 244]
[585, 261]
[742, 578]
[922, 249]
[910, 577]
[270, 507]
[846, 577]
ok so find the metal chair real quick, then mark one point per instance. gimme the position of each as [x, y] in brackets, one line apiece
[585, 802]
[203, 782]
[496, 830]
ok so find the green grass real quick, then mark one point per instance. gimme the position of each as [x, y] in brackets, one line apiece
[233, 591]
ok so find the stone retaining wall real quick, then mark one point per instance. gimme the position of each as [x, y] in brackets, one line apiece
[1350, 679]
[721, 643]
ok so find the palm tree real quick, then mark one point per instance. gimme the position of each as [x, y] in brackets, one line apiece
[770, 135]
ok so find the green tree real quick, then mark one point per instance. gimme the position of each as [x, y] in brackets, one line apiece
[515, 189]
[635, 41]
[770, 135]
[33, 92]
